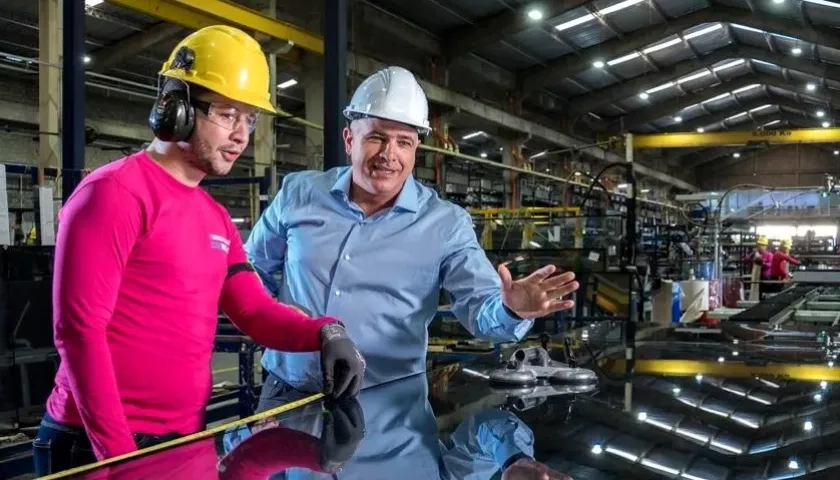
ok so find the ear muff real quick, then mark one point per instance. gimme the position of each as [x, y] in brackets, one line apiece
[172, 118]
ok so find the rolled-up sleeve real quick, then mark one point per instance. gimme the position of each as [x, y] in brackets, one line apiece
[266, 246]
[475, 289]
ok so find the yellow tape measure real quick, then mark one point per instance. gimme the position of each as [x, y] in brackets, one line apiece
[189, 438]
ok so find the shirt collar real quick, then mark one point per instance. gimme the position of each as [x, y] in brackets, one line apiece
[407, 200]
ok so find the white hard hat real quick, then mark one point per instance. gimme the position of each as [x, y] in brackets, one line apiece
[391, 94]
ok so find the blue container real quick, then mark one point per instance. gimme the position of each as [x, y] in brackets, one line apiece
[705, 271]
[676, 302]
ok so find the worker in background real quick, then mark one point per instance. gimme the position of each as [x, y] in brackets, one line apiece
[371, 244]
[145, 258]
[761, 256]
[779, 264]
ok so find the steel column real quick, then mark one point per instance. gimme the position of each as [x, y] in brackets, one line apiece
[335, 81]
[72, 97]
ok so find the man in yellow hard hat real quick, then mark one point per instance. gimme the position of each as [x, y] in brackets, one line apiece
[781, 259]
[145, 258]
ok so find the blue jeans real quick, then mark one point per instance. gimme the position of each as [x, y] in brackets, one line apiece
[59, 447]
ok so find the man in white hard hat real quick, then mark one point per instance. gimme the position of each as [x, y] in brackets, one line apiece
[370, 244]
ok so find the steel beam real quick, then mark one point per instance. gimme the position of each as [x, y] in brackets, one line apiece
[109, 57]
[243, 17]
[72, 97]
[670, 107]
[617, 93]
[505, 24]
[335, 82]
[568, 66]
[176, 11]
[684, 368]
[722, 115]
[737, 138]
[614, 94]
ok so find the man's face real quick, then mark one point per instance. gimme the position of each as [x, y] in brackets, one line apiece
[382, 153]
[221, 133]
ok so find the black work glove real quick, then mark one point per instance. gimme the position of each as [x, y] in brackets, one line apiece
[341, 433]
[341, 363]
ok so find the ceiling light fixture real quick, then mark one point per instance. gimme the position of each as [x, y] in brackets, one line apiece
[644, 95]
[811, 87]
[701, 130]
[535, 14]
[820, 113]
[288, 83]
[826, 124]
[598, 64]
[796, 51]
[678, 119]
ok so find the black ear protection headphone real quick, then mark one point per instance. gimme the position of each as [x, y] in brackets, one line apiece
[172, 118]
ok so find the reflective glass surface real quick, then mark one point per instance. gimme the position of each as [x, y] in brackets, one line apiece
[453, 423]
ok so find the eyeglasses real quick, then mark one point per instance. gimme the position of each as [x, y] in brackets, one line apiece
[226, 116]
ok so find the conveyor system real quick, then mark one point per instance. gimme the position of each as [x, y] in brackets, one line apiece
[776, 307]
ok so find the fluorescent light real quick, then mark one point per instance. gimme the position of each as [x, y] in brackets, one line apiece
[703, 31]
[778, 1]
[736, 155]
[661, 87]
[288, 83]
[472, 135]
[796, 51]
[598, 64]
[86, 59]
[695, 76]
[837, 152]
[662, 46]
[820, 113]
[535, 14]
[647, 190]
[644, 95]
[811, 87]
[619, 6]
[622, 186]
[623, 59]
[731, 64]
[826, 124]
[678, 119]
[701, 130]
[575, 22]
[825, 3]
[747, 88]
[538, 155]
[93, 3]
[483, 155]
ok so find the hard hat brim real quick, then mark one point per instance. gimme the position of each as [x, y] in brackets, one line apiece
[261, 104]
[351, 114]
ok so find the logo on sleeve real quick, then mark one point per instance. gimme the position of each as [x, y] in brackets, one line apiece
[218, 242]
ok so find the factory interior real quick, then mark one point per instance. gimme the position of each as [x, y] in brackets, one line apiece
[681, 157]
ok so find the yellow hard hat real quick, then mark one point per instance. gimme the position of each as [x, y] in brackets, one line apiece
[762, 241]
[225, 60]
[786, 243]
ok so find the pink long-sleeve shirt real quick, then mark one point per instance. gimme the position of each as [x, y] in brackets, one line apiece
[142, 265]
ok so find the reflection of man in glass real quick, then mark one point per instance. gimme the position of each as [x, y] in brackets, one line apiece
[370, 244]
[402, 440]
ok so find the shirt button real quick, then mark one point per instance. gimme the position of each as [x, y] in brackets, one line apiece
[347, 257]
[337, 293]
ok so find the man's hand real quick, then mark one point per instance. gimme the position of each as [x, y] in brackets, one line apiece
[342, 430]
[537, 295]
[527, 469]
[341, 363]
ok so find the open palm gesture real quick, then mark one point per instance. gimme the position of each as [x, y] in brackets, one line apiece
[537, 295]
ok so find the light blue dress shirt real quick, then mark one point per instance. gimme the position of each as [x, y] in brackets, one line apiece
[380, 275]
[402, 439]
